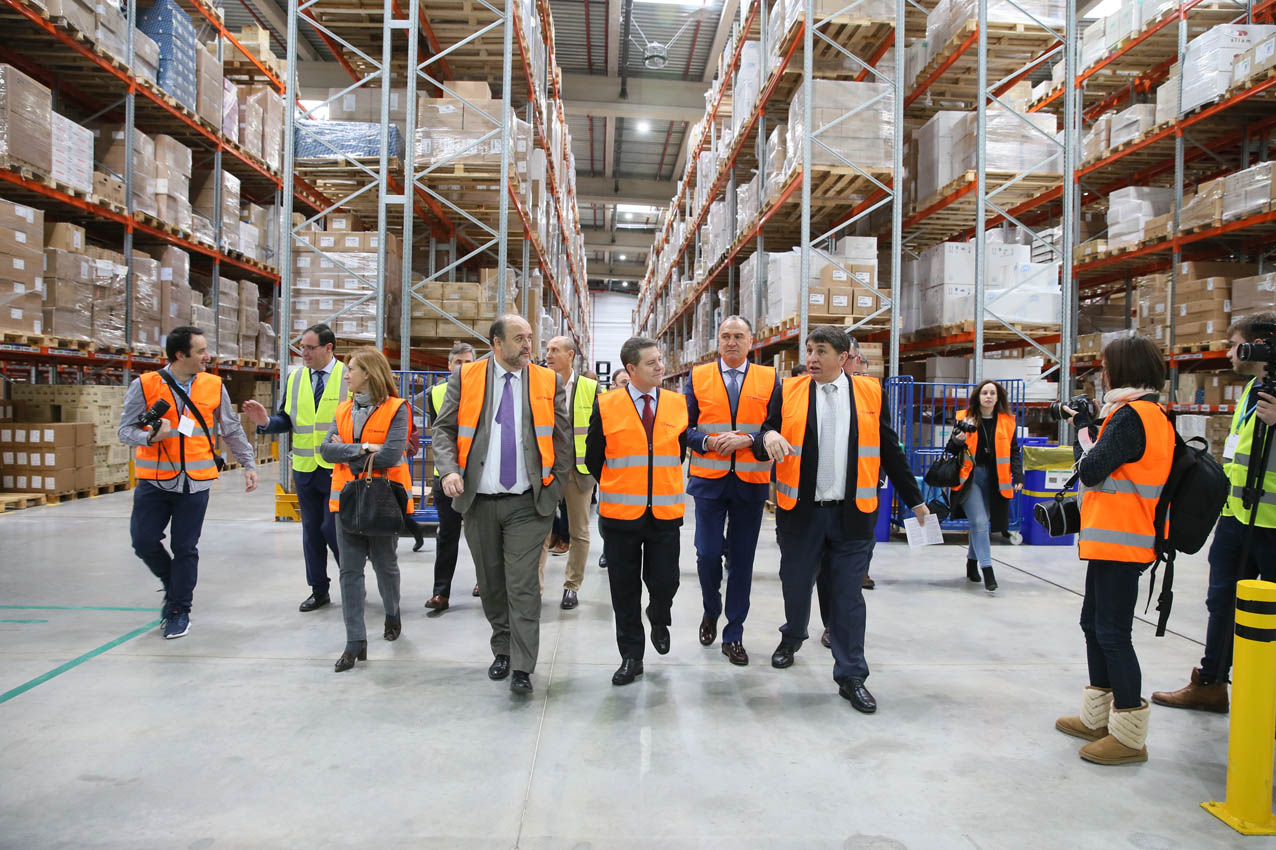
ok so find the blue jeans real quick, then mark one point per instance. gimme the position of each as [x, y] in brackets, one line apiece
[1220, 599]
[1107, 619]
[975, 504]
[155, 509]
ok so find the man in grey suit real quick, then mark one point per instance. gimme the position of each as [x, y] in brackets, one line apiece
[503, 446]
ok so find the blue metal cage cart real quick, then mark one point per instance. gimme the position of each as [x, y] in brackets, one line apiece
[413, 387]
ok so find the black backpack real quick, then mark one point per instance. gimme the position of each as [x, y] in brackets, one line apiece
[1191, 501]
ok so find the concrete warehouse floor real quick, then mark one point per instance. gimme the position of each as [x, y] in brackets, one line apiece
[241, 736]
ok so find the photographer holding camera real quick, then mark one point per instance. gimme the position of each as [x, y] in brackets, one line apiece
[1207, 688]
[1123, 470]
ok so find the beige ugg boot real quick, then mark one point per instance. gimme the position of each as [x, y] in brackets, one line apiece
[1127, 734]
[1093, 722]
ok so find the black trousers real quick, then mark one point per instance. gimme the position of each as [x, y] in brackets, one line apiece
[447, 541]
[1107, 619]
[644, 552]
[318, 525]
[182, 514]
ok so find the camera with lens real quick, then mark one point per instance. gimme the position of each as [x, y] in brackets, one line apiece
[965, 426]
[154, 416]
[1082, 404]
[1261, 350]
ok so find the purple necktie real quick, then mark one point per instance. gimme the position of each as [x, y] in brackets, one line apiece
[505, 418]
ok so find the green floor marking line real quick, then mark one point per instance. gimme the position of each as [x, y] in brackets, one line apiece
[70, 608]
[24, 621]
[76, 662]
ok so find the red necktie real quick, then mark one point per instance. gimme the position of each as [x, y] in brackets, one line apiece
[648, 416]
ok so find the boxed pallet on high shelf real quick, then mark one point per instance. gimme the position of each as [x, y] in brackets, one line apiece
[97, 406]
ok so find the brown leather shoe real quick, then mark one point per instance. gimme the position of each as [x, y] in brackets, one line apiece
[560, 548]
[735, 654]
[708, 630]
[1196, 695]
[437, 603]
[868, 583]
[825, 641]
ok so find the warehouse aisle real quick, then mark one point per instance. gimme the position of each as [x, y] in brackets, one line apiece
[241, 736]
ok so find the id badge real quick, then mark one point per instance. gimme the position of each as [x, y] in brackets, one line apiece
[1229, 448]
[186, 426]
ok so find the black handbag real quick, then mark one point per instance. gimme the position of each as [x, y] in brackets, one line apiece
[370, 505]
[1061, 516]
[945, 472]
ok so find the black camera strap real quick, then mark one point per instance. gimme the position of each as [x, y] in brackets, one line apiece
[180, 393]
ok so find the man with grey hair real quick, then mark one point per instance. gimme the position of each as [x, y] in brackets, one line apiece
[503, 446]
[560, 355]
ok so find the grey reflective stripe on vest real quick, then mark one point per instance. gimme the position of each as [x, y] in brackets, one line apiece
[296, 388]
[1243, 460]
[544, 430]
[866, 492]
[1003, 462]
[1117, 538]
[749, 429]
[1267, 498]
[465, 431]
[639, 460]
[870, 451]
[1120, 485]
[791, 492]
[627, 499]
[161, 465]
[303, 430]
[580, 431]
[752, 466]
[709, 462]
[546, 471]
[714, 427]
[303, 452]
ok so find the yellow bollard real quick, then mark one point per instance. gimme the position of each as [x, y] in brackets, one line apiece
[1250, 746]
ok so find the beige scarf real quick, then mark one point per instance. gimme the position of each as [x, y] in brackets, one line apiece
[1113, 399]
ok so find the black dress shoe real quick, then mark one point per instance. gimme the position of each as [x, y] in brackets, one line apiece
[357, 649]
[708, 630]
[861, 699]
[602, 562]
[990, 580]
[314, 601]
[735, 654]
[825, 640]
[972, 570]
[570, 600]
[476, 591]
[629, 669]
[660, 639]
[783, 656]
[500, 667]
[521, 683]
[393, 627]
[418, 533]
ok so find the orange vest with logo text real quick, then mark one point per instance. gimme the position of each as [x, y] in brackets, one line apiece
[636, 473]
[868, 414]
[375, 430]
[165, 460]
[541, 385]
[707, 383]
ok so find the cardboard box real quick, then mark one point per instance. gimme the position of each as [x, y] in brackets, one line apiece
[25, 125]
[64, 236]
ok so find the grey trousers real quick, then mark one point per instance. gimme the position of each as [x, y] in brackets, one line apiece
[505, 535]
[355, 550]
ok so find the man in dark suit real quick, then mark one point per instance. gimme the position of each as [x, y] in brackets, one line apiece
[726, 405]
[503, 446]
[830, 437]
[635, 446]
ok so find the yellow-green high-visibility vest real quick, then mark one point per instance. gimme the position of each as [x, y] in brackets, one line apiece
[1242, 434]
[310, 426]
[582, 405]
[437, 392]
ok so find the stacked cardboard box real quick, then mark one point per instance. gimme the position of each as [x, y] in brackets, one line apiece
[72, 153]
[25, 107]
[250, 119]
[99, 406]
[173, 182]
[336, 273]
[1248, 192]
[1129, 211]
[80, 15]
[209, 90]
[112, 30]
[171, 28]
[249, 319]
[865, 140]
[68, 285]
[111, 151]
[146, 56]
[1253, 294]
[46, 457]
[176, 296]
[21, 268]
[203, 205]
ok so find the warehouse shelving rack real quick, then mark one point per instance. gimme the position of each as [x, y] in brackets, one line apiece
[814, 205]
[60, 57]
[425, 48]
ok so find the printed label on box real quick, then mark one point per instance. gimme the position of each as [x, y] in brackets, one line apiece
[327, 241]
[1265, 50]
[327, 283]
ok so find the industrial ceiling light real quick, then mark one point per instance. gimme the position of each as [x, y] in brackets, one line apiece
[655, 54]
[643, 126]
[621, 257]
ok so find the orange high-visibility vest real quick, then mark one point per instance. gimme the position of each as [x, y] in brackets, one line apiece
[710, 389]
[540, 384]
[165, 460]
[1117, 516]
[1001, 447]
[868, 415]
[638, 474]
[375, 430]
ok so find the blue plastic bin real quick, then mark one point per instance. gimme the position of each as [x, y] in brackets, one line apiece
[1046, 470]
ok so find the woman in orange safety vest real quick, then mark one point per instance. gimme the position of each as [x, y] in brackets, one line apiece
[1122, 473]
[374, 421]
[991, 474]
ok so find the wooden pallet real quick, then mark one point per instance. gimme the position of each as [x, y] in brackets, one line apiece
[70, 344]
[1091, 250]
[18, 501]
[14, 338]
[992, 330]
[1201, 347]
[160, 224]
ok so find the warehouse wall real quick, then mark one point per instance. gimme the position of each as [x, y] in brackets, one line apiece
[613, 324]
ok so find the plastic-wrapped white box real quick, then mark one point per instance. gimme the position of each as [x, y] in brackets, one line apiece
[1129, 124]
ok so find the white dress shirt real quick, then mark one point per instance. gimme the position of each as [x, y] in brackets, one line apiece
[490, 479]
[842, 434]
[637, 394]
[567, 391]
[327, 374]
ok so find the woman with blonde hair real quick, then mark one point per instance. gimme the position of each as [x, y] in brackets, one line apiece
[374, 421]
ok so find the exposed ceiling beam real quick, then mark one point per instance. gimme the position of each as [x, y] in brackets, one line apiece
[616, 271]
[602, 190]
[613, 38]
[609, 148]
[598, 239]
[278, 19]
[729, 10]
[653, 99]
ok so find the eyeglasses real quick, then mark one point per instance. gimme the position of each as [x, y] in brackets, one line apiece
[311, 347]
